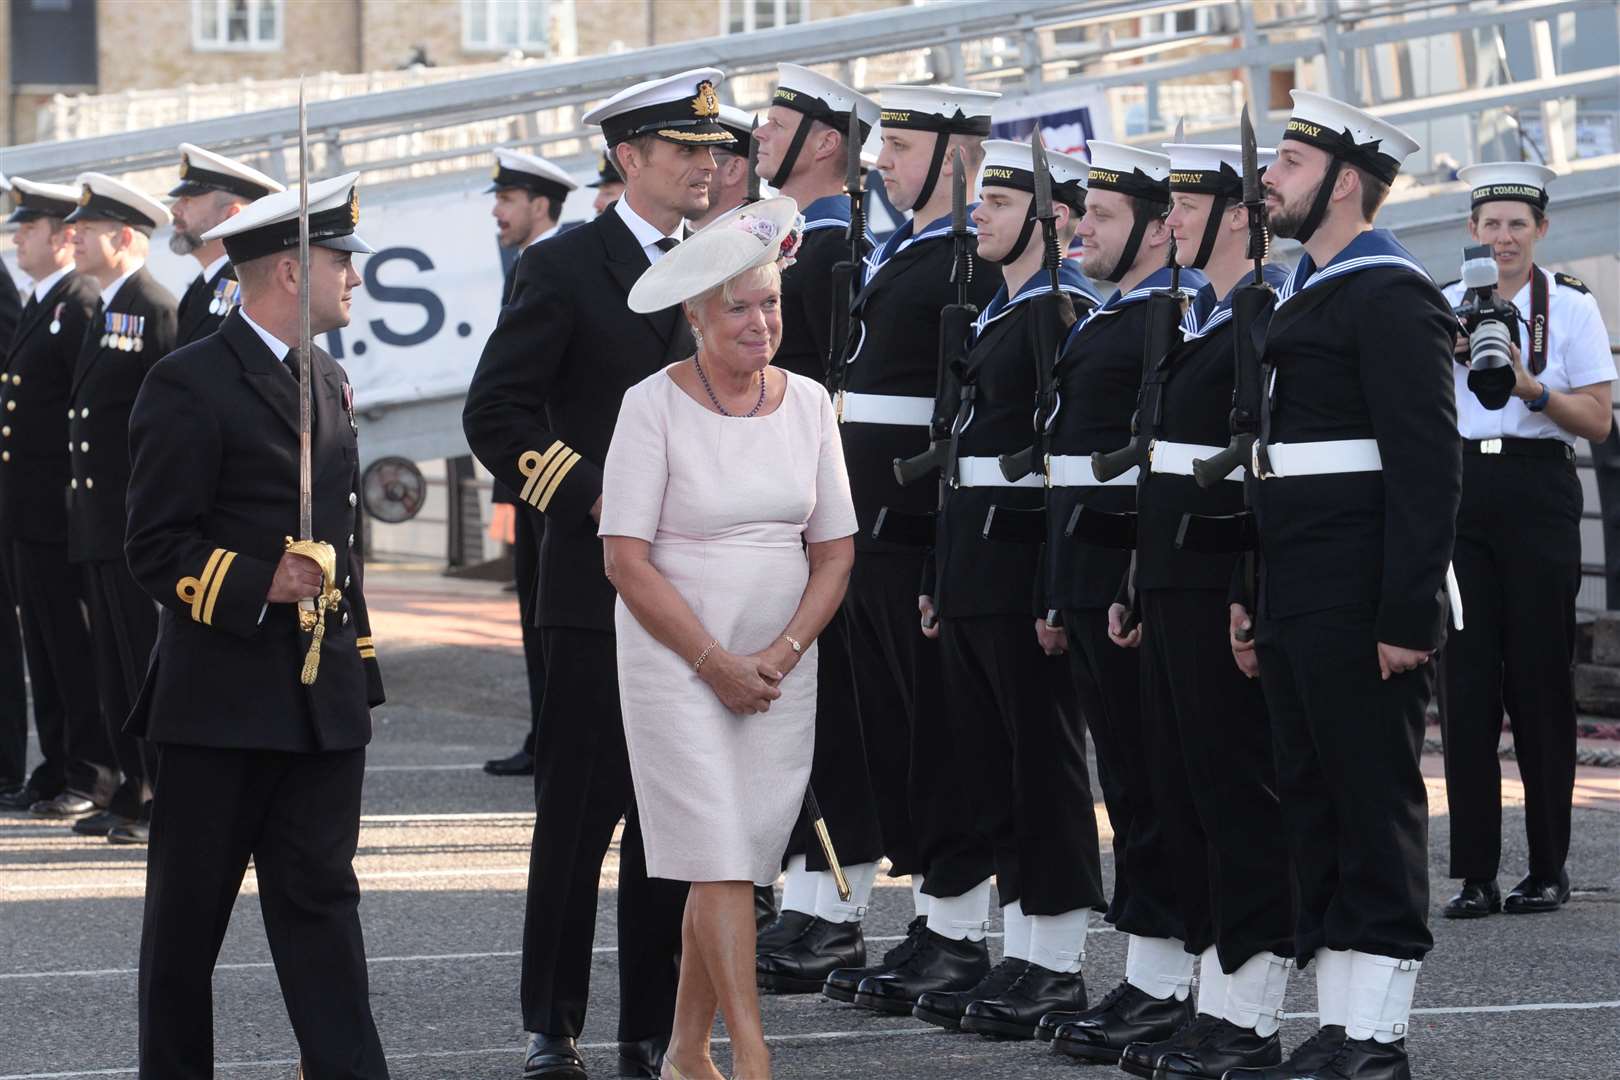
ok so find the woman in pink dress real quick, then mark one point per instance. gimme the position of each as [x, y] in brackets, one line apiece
[727, 524]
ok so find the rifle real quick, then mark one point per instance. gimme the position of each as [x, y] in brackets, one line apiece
[1249, 307]
[952, 396]
[846, 273]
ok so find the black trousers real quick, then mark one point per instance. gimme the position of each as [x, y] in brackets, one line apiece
[1107, 680]
[903, 718]
[73, 738]
[297, 817]
[527, 528]
[838, 772]
[582, 789]
[1213, 780]
[123, 630]
[1347, 743]
[1024, 791]
[1518, 563]
[14, 692]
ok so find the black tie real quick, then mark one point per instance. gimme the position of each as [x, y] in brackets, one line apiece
[667, 243]
[196, 293]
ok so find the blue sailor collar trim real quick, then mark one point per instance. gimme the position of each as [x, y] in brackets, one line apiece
[827, 212]
[1209, 315]
[905, 236]
[1375, 247]
[1070, 280]
[1191, 282]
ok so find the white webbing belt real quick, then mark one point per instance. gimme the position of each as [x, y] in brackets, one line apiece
[985, 472]
[884, 409]
[1322, 458]
[1074, 470]
[1176, 458]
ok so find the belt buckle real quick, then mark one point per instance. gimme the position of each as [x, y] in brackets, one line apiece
[1152, 448]
[1046, 470]
[838, 406]
[1490, 446]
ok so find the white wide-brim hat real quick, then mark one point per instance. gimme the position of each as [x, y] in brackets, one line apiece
[750, 236]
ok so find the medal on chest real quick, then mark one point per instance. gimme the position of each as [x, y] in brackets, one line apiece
[224, 299]
[56, 318]
[348, 408]
[124, 332]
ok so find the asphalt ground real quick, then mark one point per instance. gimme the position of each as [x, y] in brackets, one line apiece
[443, 866]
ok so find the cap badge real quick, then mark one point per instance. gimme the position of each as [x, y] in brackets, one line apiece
[705, 103]
[84, 196]
[354, 206]
[185, 165]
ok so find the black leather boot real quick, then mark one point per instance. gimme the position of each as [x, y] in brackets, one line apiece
[1314, 1053]
[939, 963]
[782, 931]
[1476, 900]
[1126, 1015]
[944, 1008]
[1209, 1046]
[1016, 1013]
[844, 983]
[764, 906]
[801, 966]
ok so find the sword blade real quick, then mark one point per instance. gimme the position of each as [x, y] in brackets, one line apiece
[306, 486]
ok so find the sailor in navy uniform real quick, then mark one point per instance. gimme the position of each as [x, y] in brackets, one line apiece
[1207, 738]
[1024, 808]
[539, 414]
[1359, 472]
[1518, 554]
[1125, 241]
[258, 763]
[802, 154]
[33, 514]
[729, 188]
[529, 196]
[608, 185]
[212, 188]
[132, 328]
[885, 409]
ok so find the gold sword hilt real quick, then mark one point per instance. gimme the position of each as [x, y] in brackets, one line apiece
[312, 611]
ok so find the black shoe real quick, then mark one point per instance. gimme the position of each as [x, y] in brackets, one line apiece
[1047, 1029]
[553, 1057]
[1314, 1053]
[130, 833]
[1476, 900]
[643, 1058]
[1207, 1048]
[1534, 895]
[22, 796]
[764, 907]
[844, 983]
[64, 807]
[803, 965]
[944, 1009]
[939, 963]
[1016, 1013]
[519, 764]
[99, 824]
[1366, 1059]
[781, 933]
[1126, 1015]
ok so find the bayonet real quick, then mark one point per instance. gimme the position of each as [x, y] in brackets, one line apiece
[753, 161]
[1254, 196]
[1051, 255]
[846, 274]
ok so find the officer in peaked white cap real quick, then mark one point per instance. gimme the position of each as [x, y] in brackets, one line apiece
[608, 185]
[681, 109]
[729, 188]
[271, 224]
[529, 196]
[212, 187]
[101, 198]
[1518, 544]
[1359, 470]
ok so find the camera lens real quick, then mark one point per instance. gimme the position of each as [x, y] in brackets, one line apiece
[1488, 346]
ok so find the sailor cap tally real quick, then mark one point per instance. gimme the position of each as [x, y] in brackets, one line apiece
[820, 98]
[606, 171]
[752, 235]
[1012, 165]
[531, 173]
[1129, 170]
[1201, 169]
[270, 225]
[34, 201]
[1515, 181]
[951, 110]
[681, 109]
[740, 123]
[1349, 134]
[202, 171]
[101, 198]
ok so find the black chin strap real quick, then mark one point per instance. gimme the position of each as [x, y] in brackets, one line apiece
[791, 156]
[1212, 228]
[1133, 244]
[941, 141]
[1319, 205]
[1023, 238]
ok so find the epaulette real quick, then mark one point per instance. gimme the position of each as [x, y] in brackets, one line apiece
[1570, 281]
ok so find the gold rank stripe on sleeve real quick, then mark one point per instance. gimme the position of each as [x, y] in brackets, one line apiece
[368, 651]
[203, 593]
[544, 473]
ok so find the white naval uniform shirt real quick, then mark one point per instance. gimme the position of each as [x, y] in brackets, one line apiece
[1577, 356]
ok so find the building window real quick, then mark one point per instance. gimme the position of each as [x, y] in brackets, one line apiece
[746, 16]
[504, 25]
[236, 25]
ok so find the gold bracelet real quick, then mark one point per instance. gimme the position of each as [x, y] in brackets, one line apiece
[697, 665]
[798, 650]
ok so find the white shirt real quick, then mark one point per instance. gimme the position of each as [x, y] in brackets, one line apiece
[213, 268]
[1577, 356]
[111, 291]
[46, 284]
[547, 235]
[646, 235]
[278, 348]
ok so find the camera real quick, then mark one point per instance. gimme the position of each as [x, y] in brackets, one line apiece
[1492, 324]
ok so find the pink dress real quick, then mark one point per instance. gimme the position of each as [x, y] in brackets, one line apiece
[726, 503]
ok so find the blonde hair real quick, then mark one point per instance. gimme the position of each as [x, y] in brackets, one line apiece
[767, 275]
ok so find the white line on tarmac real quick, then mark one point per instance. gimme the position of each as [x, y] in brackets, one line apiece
[473, 767]
[808, 1036]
